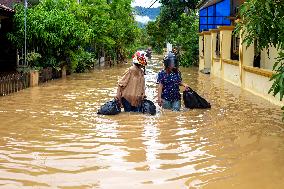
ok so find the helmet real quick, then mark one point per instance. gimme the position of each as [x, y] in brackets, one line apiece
[170, 59]
[139, 58]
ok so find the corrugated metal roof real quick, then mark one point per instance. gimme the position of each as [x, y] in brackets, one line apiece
[3, 7]
[10, 3]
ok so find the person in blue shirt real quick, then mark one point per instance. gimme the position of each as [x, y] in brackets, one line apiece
[169, 80]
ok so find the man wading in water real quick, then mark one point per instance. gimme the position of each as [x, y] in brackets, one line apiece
[131, 87]
[169, 80]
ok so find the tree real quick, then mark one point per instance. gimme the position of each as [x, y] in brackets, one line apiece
[187, 38]
[156, 35]
[125, 30]
[263, 20]
[52, 29]
[63, 29]
[177, 24]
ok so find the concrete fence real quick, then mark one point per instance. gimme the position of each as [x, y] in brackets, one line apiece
[246, 71]
[14, 82]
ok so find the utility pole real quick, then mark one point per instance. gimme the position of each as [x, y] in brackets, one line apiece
[26, 6]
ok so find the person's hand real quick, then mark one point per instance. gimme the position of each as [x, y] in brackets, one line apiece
[186, 87]
[118, 99]
[160, 102]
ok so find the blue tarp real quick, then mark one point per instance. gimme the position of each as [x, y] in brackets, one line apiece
[215, 15]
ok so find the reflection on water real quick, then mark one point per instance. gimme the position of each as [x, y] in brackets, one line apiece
[51, 137]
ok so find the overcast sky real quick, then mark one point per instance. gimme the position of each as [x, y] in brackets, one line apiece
[145, 3]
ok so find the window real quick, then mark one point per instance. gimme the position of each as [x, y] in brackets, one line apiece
[202, 52]
[235, 43]
[256, 58]
[217, 51]
[215, 15]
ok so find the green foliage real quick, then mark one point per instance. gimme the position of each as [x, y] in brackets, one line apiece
[58, 27]
[125, 30]
[187, 37]
[177, 27]
[278, 84]
[156, 35]
[34, 59]
[81, 60]
[263, 20]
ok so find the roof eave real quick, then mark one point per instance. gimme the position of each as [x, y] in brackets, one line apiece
[5, 8]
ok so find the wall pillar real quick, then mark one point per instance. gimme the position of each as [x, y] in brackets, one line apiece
[246, 57]
[207, 50]
[225, 44]
[201, 52]
[225, 41]
[213, 51]
[34, 76]
[213, 43]
[63, 71]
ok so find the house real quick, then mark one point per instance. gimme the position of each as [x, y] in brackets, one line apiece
[8, 54]
[10, 3]
[223, 54]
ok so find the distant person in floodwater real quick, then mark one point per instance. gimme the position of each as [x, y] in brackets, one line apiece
[169, 80]
[176, 53]
[131, 87]
[149, 53]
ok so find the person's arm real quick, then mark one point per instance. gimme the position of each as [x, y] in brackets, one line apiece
[121, 84]
[118, 94]
[160, 88]
[186, 87]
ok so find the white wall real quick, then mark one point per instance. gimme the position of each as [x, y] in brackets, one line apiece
[267, 61]
[231, 73]
[260, 86]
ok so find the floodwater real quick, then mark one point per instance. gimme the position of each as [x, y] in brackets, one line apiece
[51, 137]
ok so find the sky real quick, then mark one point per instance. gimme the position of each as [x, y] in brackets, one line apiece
[144, 3]
[142, 19]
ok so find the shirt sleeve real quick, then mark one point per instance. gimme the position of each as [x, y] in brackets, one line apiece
[125, 79]
[160, 77]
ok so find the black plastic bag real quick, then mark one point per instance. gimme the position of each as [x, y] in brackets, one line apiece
[148, 107]
[192, 100]
[110, 108]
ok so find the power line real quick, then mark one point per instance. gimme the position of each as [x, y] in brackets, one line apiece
[153, 4]
[144, 11]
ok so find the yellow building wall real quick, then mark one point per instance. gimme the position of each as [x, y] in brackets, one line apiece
[226, 36]
[247, 53]
[201, 63]
[213, 44]
[260, 85]
[231, 73]
[201, 55]
[207, 50]
[267, 61]
[236, 72]
[216, 68]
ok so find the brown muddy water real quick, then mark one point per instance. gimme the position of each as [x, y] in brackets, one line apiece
[51, 137]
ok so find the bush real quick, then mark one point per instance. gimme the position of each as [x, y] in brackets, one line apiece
[81, 60]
